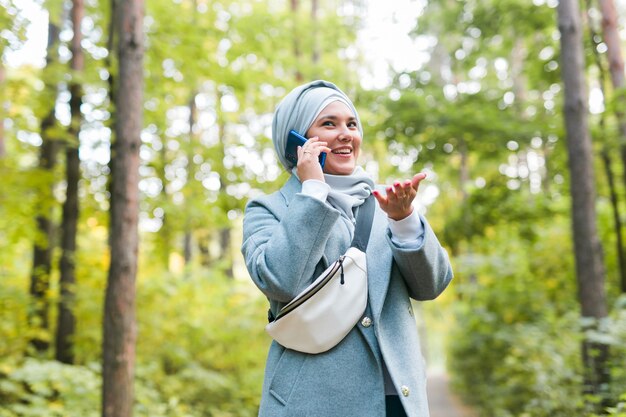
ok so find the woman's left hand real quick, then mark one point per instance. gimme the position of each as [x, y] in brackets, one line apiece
[398, 203]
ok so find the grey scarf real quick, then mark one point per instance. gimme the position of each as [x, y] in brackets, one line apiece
[347, 192]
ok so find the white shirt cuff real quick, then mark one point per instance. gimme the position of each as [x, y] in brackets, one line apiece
[316, 189]
[408, 229]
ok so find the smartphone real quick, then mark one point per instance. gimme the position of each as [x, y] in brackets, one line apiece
[294, 139]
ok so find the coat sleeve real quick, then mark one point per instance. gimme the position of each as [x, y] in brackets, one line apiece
[425, 268]
[283, 245]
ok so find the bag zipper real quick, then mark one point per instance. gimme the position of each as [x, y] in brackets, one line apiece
[311, 292]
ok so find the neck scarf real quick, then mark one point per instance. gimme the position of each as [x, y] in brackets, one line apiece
[347, 192]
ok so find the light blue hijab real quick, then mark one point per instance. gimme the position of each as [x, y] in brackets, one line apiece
[297, 111]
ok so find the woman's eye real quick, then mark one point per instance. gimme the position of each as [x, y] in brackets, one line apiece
[327, 123]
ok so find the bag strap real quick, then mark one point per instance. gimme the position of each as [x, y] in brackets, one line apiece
[364, 224]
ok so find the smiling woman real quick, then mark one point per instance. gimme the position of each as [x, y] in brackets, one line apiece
[293, 235]
[337, 128]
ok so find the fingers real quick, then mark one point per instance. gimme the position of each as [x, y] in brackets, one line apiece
[398, 199]
[382, 200]
[308, 166]
[312, 148]
[417, 178]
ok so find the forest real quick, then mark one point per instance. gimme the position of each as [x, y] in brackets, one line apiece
[129, 151]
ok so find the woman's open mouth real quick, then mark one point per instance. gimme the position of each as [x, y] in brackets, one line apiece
[343, 151]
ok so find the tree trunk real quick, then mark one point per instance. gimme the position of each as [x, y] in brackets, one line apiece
[225, 244]
[109, 65]
[605, 153]
[204, 249]
[165, 232]
[616, 69]
[225, 231]
[588, 250]
[44, 242]
[119, 338]
[191, 174]
[66, 324]
[187, 247]
[296, 41]
[315, 53]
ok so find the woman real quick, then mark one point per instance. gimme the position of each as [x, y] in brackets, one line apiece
[292, 235]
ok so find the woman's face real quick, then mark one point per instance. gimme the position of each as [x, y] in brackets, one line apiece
[337, 125]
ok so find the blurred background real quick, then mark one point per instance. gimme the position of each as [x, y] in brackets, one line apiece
[470, 92]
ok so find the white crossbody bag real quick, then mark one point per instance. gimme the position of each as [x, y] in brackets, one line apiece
[323, 314]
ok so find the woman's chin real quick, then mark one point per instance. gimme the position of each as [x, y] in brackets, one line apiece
[339, 169]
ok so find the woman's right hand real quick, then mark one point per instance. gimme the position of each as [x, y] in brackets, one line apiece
[309, 167]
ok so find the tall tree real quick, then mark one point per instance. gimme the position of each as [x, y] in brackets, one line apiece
[315, 50]
[295, 5]
[225, 232]
[66, 322]
[613, 44]
[616, 69]
[605, 153]
[590, 271]
[44, 241]
[119, 311]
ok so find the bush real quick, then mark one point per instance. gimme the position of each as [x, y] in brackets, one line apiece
[201, 351]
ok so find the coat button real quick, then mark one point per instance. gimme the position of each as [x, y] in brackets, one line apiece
[366, 322]
[405, 390]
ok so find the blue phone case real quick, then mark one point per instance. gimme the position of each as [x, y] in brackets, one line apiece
[291, 150]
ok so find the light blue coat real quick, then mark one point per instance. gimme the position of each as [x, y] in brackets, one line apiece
[288, 239]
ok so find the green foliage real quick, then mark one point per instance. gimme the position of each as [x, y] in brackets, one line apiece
[514, 352]
[15, 22]
[474, 116]
[200, 337]
[217, 351]
[49, 388]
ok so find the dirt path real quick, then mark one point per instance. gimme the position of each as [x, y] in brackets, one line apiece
[441, 400]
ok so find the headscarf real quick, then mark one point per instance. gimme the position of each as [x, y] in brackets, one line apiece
[297, 111]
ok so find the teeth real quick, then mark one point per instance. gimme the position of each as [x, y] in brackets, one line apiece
[343, 152]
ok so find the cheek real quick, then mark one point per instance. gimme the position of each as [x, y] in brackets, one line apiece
[357, 147]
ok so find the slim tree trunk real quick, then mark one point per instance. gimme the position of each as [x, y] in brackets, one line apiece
[296, 41]
[605, 153]
[225, 231]
[110, 67]
[616, 69]
[191, 173]
[44, 242]
[204, 249]
[66, 324]
[165, 232]
[119, 338]
[315, 54]
[616, 60]
[590, 271]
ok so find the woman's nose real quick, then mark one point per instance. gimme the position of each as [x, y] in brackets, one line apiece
[345, 135]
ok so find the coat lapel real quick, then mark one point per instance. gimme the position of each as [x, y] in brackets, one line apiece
[379, 262]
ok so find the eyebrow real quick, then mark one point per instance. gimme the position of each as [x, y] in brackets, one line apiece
[333, 117]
